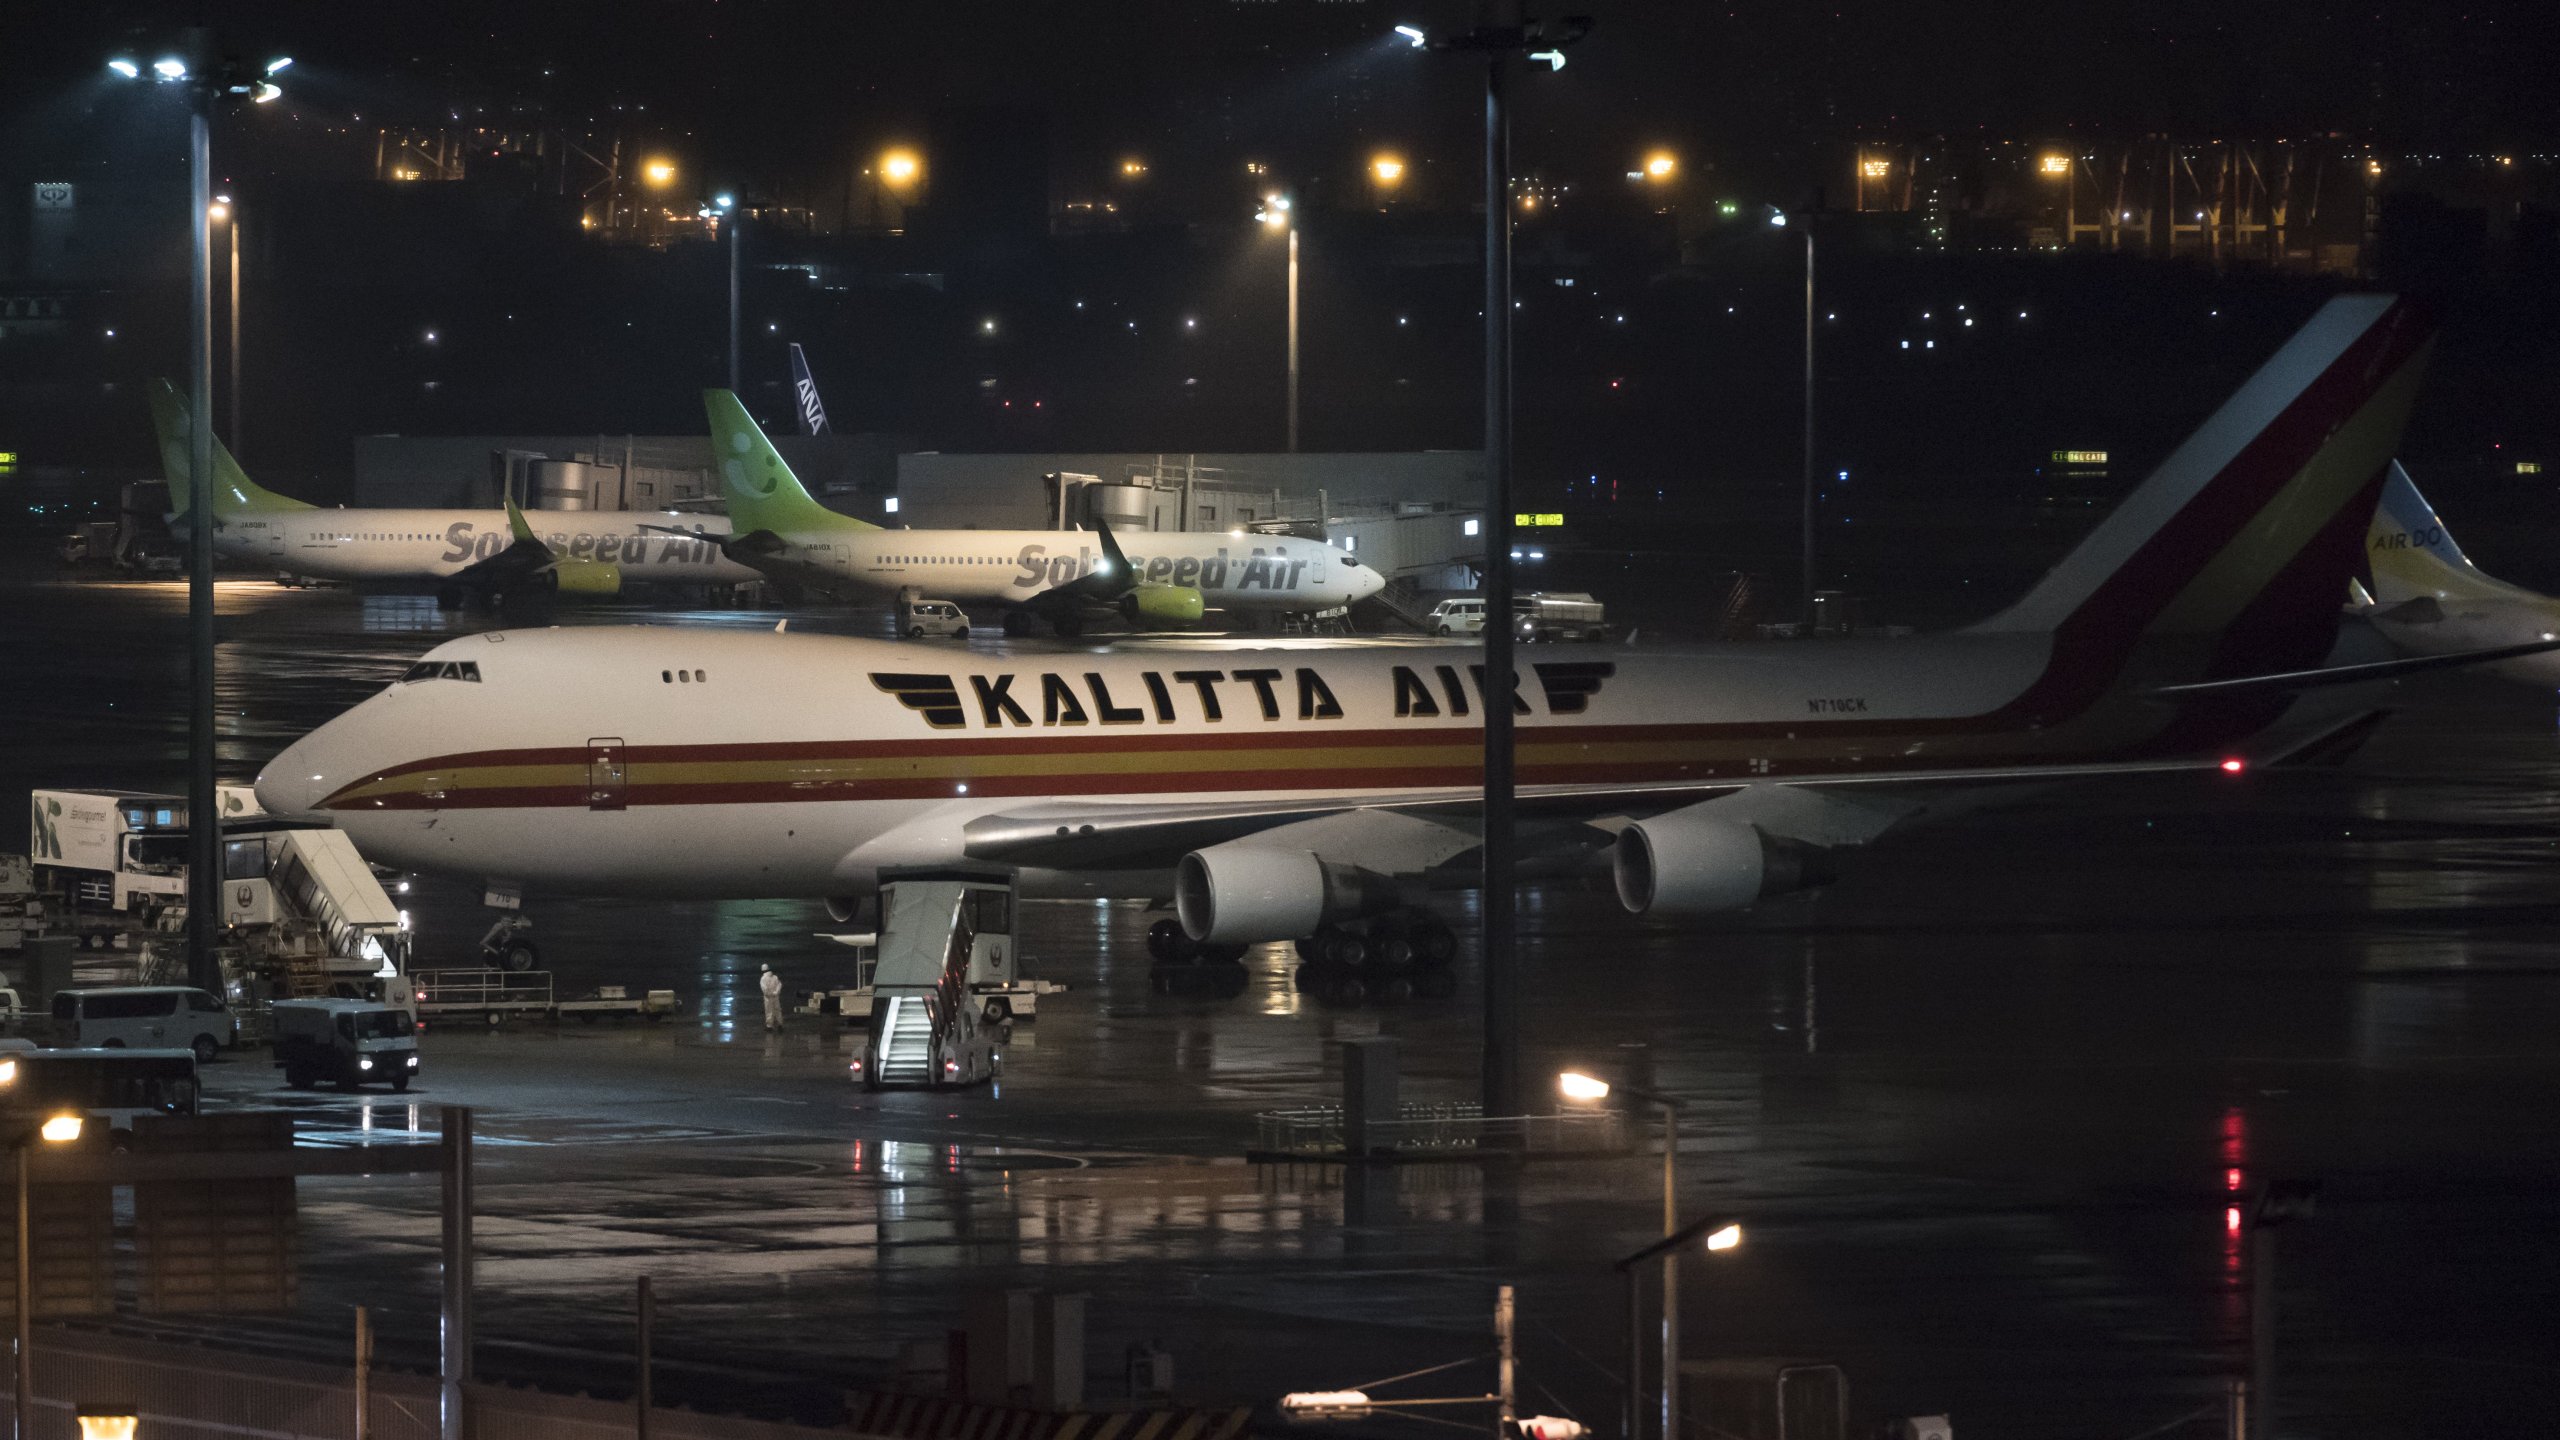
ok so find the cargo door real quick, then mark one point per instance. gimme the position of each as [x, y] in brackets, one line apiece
[608, 774]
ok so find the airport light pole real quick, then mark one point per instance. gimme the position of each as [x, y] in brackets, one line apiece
[1588, 1089]
[726, 205]
[1504, 33]
[209, 80]
[58, 1130]
[1778, 219]
[1277, 213]
[1716, 1235]
[228, 214]
[2276, 1203]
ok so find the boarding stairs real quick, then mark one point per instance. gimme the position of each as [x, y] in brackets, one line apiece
[906, 1048]
[927, 1028]
[1396, 607]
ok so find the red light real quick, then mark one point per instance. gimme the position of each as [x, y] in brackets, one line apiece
[2233, 766]
[2231, 1179]
[2231, 1219]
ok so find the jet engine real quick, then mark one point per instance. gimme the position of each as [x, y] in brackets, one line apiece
[1246, 893]
[1687, 863]
[1162, 605]
[847, 909]
[587, 577]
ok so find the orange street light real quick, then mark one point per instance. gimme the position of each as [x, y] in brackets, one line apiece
[1387, 168]
[659, 173]
[901, 167]
[1660, 165]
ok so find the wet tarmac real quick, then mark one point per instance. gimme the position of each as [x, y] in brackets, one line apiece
[1983, 1103]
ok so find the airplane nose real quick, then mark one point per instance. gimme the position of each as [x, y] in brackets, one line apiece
[297, 780]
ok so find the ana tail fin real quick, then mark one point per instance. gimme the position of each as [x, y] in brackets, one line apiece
[233, 492]
[763, 493]
[804, 388]
[2245, 537]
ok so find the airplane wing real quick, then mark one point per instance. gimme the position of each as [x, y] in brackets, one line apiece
[529, 562]
[771, 556]
[516, 565]
[1824, 811]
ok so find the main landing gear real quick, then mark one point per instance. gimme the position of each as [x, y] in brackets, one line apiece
[1389, 958]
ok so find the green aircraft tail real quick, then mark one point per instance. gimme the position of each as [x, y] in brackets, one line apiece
[233, 491]
[763, 493]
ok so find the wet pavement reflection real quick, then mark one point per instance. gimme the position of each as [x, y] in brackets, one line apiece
[1987, 1103]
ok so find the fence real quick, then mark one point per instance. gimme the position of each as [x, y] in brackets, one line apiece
[1456, 1130]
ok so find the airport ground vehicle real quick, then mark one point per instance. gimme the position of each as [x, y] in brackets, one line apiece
[945, 932]
[348, 1042]
[1456, 617]
[123, 850]
[110, 1086]
[145, 1017]
[1558, 615]
[920, 618]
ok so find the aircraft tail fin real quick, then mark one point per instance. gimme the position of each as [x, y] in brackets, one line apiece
[763, 493]
[2413, 555]
[2238, 546]
[804, 388]
[233, 491]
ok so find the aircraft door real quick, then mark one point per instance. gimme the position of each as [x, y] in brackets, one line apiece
[607, 773]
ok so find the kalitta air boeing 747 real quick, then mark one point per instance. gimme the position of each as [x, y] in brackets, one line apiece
[456, 553]
[1308, 794]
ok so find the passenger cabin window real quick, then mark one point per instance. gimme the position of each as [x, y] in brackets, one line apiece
[444, 670]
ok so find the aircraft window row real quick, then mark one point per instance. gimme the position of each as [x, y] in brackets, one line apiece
[444, 670]
[682, 677]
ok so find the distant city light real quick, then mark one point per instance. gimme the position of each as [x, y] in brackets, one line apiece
[169, 68]
[659, 173]
[725, 201]
[1133, 167]
[125, 68]
[1386, 168]
[901, 167]
[1875, 169]
[1412, 33]
[2055, 165]
[1659, 165]
[987, 326]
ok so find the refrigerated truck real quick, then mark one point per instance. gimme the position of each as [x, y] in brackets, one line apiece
[120, 850]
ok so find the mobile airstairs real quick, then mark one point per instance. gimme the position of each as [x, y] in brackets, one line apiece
[946, 939]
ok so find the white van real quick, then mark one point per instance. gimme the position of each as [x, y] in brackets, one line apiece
[145, 1017]
[933, 617]
[1456, 617]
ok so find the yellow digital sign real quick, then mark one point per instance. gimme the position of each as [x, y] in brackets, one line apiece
[2079, 457]
[1545, 520]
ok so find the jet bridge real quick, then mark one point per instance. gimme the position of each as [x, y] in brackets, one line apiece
[945, 931]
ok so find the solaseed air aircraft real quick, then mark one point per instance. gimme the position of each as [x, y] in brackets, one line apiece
[2429, 599]
[1061, 577]
[1310, 794]
[457, 553]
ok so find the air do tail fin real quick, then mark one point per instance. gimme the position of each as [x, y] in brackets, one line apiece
[763, 494]
[233, 491]
[2412, 554]
[2246, 535]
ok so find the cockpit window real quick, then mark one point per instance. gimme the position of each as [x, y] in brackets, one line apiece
[444, 670]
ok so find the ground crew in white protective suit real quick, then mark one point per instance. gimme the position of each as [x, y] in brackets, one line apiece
[771, 985]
